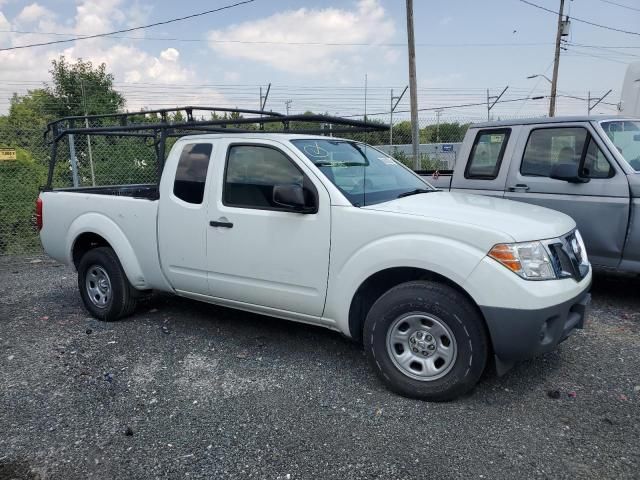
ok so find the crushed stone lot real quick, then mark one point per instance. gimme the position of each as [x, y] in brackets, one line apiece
[188, 390]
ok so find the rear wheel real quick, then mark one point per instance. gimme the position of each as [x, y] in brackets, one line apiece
[426, 340]
[104, 287]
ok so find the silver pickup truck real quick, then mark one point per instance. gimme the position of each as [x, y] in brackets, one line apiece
[586, 167]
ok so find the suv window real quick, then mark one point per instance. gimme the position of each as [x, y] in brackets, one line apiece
[549, 147]
[486, 154]
[252, 172]
[191, 173]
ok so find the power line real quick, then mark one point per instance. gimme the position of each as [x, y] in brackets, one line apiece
[430, 109]
[226, 7]
[582, 20]
[574, 53]
[603, 49]
[620, 5]
[270, 42]
[606, 46]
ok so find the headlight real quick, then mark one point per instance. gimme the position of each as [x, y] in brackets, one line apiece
[530, 260]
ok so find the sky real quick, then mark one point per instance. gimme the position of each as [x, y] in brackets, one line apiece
[320, 53]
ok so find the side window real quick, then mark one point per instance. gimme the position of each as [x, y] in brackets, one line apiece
[191, 173]
[486, 154]
[252, 172]
[595, 163]
[548, 147]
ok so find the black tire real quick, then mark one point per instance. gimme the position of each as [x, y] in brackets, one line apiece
[122, 297]
[450, 308]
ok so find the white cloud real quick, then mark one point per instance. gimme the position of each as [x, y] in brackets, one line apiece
[366, 23]
[123, 58]
[34, 12]
[5, 37]
[98, 16]
[170, 55]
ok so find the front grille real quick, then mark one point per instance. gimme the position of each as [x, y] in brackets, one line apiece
[568, 257]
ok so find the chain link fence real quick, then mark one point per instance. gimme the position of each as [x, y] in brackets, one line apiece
[117, 160]
[82, 161]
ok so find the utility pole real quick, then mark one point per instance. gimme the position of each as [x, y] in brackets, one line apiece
[495, 100]
[556, 63]
[438, 112]
[393, 107]
[591, 107]
[86, 123]
[287, 104]
[365, 97]
[263, 100]
[74, 160]
[413, 92]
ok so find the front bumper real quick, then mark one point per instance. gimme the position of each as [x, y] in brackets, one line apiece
[520, 334]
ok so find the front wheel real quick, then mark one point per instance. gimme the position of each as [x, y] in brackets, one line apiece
[104, 287]
[426, 340]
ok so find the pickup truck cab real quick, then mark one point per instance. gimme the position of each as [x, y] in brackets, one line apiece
[334, 233]
[586, 167]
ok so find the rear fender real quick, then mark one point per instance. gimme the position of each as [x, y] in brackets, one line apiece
[113, 234]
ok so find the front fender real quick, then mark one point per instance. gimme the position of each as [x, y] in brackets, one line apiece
[113, 234]
[450, 258]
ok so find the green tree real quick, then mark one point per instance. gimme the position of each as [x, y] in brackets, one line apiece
[81, 86]
[446, 132]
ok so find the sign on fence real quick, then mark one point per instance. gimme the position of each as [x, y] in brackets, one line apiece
[7, 154]
[447, 147]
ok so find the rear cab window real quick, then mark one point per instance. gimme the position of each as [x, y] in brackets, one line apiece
[486, 154]
[191, 173]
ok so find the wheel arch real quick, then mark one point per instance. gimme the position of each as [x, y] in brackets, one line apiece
[384, 280]
[94, 230]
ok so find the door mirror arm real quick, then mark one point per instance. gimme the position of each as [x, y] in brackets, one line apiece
[293, 197]
[568, 173]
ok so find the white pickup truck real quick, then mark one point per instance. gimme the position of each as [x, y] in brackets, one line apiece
[334, 233]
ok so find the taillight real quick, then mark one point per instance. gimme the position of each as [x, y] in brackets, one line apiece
[39, 213]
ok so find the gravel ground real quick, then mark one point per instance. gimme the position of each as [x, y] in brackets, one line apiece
[189, 390]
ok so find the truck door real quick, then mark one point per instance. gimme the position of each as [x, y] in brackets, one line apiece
[486, 161]
[260, 252]
[182, 216]
[598, 200]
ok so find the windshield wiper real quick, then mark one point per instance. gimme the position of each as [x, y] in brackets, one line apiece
[414, 192]
[339, 164]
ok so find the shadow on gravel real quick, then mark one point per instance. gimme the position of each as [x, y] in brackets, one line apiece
[615, 286]
[297, 342]
[16, 470]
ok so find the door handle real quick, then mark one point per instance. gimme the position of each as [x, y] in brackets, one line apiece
[221, 224]
[520, 187]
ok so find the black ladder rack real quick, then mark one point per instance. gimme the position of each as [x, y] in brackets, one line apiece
[158, 126]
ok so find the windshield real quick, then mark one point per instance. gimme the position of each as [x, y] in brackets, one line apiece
[625, 135]
[364, 174]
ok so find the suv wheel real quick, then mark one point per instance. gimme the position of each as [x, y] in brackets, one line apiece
[104, 287]
[426, 340]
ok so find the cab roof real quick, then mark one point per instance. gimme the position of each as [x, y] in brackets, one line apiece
[544, 120]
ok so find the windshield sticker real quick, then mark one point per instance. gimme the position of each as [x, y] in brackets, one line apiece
[316, 151]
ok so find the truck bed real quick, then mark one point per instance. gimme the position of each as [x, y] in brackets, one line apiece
[441, 179]
[148, 191]
[125, 216]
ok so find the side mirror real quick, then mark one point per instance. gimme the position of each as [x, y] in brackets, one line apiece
[293, 196]
[567, 172]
